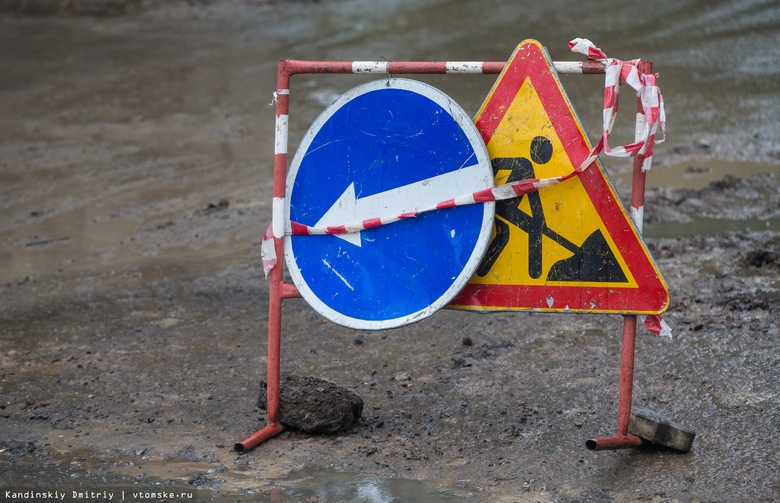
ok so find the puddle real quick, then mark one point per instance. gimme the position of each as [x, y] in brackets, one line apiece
[83, 474]
[86, 475]
[695, 173]
[701, 225]
[326, 486]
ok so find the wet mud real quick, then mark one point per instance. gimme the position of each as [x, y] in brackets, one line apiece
[133, 308]
[117, 379]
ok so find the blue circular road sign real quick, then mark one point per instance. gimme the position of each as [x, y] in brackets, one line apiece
[386, 148]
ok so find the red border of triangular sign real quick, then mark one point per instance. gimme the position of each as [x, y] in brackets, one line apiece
[530, 60]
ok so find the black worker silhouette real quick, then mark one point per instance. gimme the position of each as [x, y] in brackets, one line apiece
[594, 261]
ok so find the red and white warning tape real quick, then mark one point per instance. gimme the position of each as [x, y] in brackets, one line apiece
[500, 193]
[618, 72]
[656, 325]
[652, 119]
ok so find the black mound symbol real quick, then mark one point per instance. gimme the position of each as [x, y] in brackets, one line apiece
[592, 262]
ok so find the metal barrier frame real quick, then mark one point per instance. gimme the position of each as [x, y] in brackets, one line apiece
[279, 290]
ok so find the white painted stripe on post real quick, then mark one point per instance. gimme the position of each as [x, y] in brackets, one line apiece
[463, 66]
[568, 67]
[277, 217]
[638, 217]
[369, 66]
[280, 139]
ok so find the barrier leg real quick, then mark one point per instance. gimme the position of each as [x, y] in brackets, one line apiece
[622, 440]
[274, 427]
[275, 297]
[275, 278]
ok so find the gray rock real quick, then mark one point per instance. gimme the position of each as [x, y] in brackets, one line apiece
[314, 405]
[651, 426]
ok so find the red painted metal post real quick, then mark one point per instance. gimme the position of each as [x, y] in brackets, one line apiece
[626, 390]
[622, 440]
[275, 276]
[277, 290]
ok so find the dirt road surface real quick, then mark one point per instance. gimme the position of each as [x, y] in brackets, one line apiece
[135, 186]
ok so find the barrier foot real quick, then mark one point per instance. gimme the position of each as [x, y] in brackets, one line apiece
[260, 436]
[613, 443]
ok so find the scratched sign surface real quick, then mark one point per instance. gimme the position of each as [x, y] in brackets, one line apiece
[387, 148]
[569, 247]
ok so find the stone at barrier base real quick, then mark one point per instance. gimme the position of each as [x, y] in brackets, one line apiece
[651, 426]
[314, 405]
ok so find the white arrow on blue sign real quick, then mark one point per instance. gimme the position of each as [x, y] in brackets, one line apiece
[382, 149]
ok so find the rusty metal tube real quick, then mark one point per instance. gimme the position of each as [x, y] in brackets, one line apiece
[291, 67]
[626, 390]
[260, 436]
[613, 443]
[275, 279]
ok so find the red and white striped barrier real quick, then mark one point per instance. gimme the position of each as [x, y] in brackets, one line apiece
[616, 72]
[649, 120]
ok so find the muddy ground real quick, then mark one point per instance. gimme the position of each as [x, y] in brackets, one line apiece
[130, 378]
[133, 318]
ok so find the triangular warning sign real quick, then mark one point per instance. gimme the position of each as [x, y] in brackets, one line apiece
[569, 247]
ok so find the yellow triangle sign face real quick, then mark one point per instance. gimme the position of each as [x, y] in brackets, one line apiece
[569, 247]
